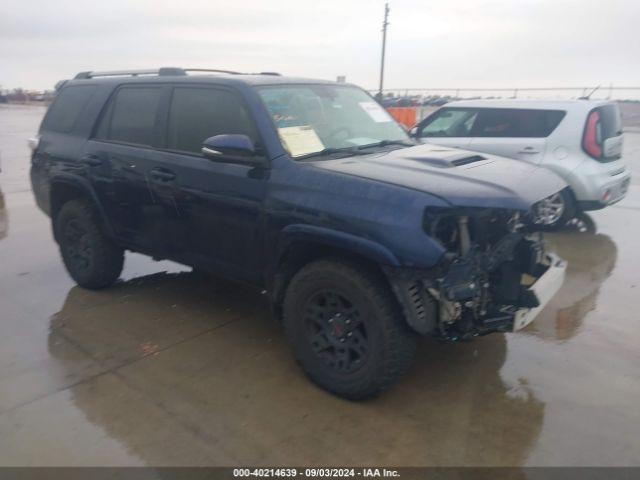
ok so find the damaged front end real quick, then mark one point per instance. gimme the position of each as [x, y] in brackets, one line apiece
[494, 277]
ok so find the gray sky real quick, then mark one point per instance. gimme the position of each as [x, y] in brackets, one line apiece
[453, 43]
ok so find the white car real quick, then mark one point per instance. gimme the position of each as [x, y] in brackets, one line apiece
[580, 140]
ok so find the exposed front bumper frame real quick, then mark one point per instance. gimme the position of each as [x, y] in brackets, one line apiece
[544, 288]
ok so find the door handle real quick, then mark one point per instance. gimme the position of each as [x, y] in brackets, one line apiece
[529, 150]
[162, 175]
[91, 160]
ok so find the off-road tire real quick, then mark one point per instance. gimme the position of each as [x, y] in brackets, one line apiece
[78, 228]
[391, 343]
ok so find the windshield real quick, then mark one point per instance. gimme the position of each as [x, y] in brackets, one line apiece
[313, 119]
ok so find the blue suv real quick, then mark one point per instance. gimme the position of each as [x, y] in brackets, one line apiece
[308, 189]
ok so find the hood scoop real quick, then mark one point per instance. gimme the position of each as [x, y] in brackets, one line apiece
[467, 159]
[450, 161]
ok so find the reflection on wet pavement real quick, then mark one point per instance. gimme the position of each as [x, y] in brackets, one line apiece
[591, 258]
[172, 368]
[210, 357]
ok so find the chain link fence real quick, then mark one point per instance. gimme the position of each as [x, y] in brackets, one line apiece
[609, 92]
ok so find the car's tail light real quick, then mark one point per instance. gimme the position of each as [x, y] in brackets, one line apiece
[591, 138]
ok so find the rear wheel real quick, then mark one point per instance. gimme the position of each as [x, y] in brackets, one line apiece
[346, 329]
[554, 212]
[90, 257]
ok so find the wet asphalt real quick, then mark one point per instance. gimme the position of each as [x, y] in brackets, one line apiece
[171, 368]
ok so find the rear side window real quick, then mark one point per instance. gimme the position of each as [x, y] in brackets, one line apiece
[449, 122]
[65, 111]
[131, 116]
[511, 122]
[199, 113]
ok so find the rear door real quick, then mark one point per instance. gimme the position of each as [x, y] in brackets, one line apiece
[119, 159]
[514, 133]
[450, 127]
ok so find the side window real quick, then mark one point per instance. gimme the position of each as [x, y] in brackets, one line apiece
[69, 104]
[449, 122]
[508, 122]
[496, 122]
[199, 113]
[552, 119]
[131, 116]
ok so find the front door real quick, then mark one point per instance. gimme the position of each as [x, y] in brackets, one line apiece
[449, 127]
[217, 206]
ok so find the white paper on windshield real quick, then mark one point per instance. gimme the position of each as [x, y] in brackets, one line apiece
[376, 112]
[300, 140]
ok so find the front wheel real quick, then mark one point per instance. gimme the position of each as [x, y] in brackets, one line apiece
[346, 329]
[555, 211]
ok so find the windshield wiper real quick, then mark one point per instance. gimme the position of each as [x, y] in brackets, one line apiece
[355, 150]
[384, 143]
[331, 151]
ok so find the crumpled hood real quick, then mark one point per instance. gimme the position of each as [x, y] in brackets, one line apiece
[460, 177]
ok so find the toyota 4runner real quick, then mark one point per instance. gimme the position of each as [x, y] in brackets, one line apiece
[307, 189]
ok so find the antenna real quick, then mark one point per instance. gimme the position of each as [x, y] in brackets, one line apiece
[588, 97]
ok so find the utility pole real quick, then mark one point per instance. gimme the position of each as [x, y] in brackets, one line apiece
[385, 23]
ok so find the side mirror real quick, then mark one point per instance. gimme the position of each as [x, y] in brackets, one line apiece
[233, 148]
[414, 132]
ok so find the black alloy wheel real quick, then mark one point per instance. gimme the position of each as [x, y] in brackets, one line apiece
[336, 331]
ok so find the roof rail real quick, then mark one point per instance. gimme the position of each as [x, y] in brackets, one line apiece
[118, 73]
[230, 72]
[164, 71]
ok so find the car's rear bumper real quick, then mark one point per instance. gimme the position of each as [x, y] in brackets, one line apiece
[605, 190]
[544, 288]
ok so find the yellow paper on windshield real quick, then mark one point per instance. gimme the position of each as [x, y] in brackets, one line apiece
[300, 140]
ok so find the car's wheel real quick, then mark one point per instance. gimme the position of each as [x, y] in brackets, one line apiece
[346, 329]
[555, 211]
[90, 257]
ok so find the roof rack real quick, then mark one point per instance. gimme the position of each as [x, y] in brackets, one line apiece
[212, 70]
[161, 72]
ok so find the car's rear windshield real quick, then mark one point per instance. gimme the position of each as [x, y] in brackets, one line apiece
[315, 118]
[67, 107]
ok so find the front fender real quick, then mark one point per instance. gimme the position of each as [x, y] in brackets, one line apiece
[333, 238]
